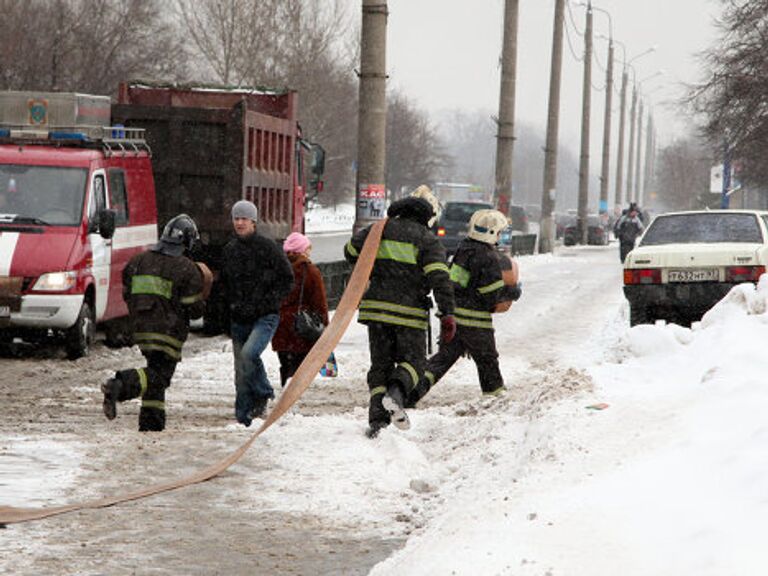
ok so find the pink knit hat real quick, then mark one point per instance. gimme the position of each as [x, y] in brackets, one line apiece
[296, 242]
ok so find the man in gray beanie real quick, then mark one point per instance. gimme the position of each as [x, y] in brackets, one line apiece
[256, 276]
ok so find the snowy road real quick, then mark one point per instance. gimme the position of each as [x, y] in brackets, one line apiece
[313, 496]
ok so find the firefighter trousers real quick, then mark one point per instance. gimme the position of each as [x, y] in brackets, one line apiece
[149, 384]
[398, 357]
[481, 345]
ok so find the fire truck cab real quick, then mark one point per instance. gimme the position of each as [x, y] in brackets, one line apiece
[77, 201]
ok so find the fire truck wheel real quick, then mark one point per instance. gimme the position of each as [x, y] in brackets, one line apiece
[80, 337]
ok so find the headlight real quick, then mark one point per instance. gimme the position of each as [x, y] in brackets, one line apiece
[56, 281]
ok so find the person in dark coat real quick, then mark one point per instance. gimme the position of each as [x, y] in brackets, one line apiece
[256, 277]
[478, 285]
[164, 290]
[290, 347]
[627, 229]
[410, 264]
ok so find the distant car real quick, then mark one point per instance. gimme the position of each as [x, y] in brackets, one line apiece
[452, 227]
[686, 262]
[597, 232]
[562, 221]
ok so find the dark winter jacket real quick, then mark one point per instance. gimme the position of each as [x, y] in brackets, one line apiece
[313, 299]
[477, 282]
[163, 293]
[409, 264]
[628, 228]
[256, 276]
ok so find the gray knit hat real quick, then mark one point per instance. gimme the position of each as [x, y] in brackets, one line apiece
[245, 209]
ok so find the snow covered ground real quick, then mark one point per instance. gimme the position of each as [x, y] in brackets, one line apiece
[671, 478]
[617, 451]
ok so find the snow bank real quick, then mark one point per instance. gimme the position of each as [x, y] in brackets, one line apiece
[668, 480]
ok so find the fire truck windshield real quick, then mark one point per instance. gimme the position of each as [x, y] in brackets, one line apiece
[50, 195]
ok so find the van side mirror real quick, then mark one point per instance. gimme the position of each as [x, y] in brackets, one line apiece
[106, 223]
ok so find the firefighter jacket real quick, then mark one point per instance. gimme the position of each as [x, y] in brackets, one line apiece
[163, 293]
[256, 275]
[409, 264]
[477, 282]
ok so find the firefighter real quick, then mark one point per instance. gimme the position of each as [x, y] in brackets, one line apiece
[409, 264]
[478, 284]
[164, 289]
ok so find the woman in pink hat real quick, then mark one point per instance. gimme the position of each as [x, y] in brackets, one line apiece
[290, 347]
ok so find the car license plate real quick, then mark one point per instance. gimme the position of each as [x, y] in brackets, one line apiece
[5, 311]
[695, 275]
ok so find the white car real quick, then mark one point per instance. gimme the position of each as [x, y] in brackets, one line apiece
[685, 262]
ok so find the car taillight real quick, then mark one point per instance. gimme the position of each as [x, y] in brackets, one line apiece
[441, 231]
[743, 273]
[643, 276]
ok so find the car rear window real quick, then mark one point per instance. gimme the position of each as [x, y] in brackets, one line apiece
[703, 228]
[462, 211]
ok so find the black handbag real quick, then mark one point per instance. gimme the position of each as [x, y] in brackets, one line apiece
[307, 325]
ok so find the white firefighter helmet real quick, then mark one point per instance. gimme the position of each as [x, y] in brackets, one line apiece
[424, 192]
[486, 225]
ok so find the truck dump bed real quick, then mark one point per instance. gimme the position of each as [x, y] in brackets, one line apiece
[213, 147]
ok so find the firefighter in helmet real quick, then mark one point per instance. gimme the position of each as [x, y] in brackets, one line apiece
[410, 263]
[164, 290]
[477, 278]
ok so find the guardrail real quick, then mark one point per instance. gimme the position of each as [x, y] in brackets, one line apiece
[335, 276]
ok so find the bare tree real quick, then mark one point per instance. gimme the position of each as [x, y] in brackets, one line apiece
[415, 152]
[683, 176]
[734, 98]
[88, 45]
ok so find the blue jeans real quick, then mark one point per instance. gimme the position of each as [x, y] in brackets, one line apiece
[251, 382]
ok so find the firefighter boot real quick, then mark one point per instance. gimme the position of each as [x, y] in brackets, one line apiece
[111, 389]
[378, 416]
[393, 403]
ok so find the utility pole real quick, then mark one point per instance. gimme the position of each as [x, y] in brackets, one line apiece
[372, 115]
[505, 138]
[548, 195]
[605, 168]
[586, 106]
[650, 154]
[631, 155]
[619, 197]
[639, 160]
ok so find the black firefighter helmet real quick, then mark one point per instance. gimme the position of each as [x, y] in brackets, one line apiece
[179, 235]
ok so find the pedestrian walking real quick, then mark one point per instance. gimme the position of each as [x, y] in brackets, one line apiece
[308, 296]
[256, 277]
[627, 229]
[479, 287]
[164, 290]
[410, 263]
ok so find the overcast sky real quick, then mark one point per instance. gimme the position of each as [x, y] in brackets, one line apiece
[445, 54]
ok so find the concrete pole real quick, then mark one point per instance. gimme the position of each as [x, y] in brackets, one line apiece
[505, 138]
[548, 195]
[619, 196]
[649, 158]
[639, 160]
[631, 154]
[606, 163]
[372, 115]
[586, 108]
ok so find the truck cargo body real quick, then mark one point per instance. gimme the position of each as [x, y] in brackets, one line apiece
[212, 148]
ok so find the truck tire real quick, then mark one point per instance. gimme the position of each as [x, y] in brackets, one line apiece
[638, 315]
[80, 337]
